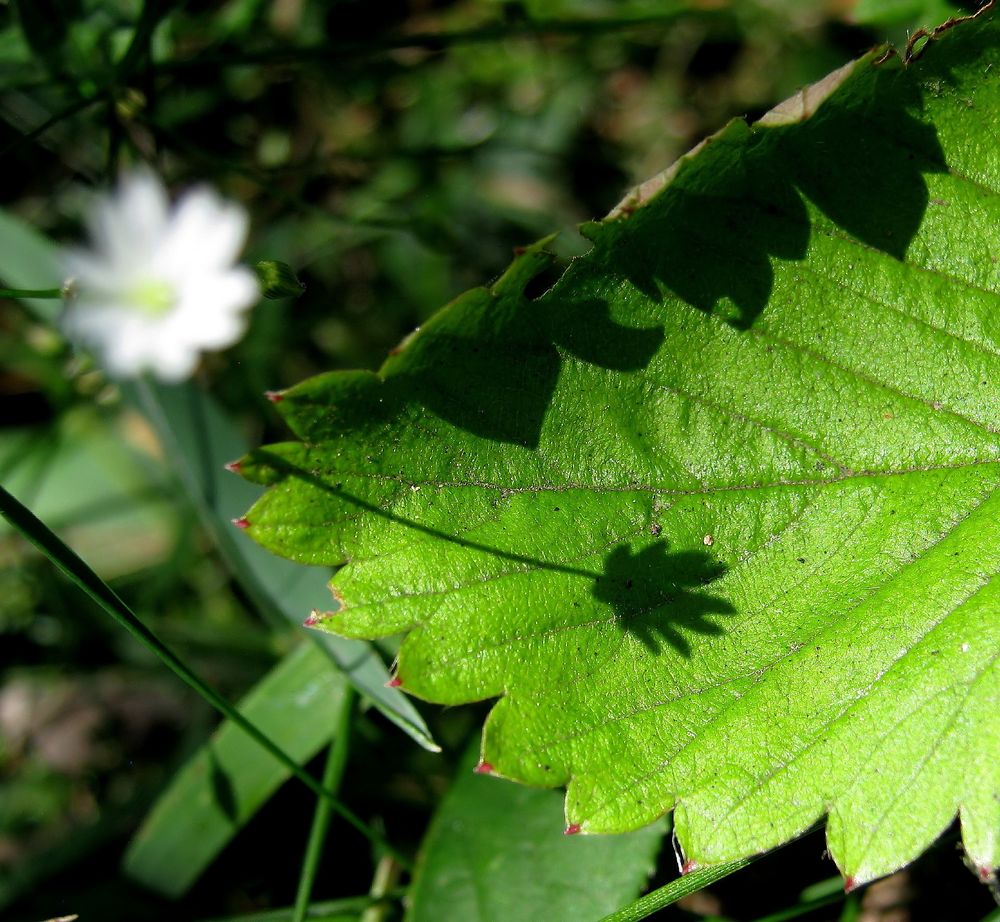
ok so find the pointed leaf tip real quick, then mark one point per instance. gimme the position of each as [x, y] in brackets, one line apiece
[483, 768]
[394, 682]
[274, 396]
[572, 829]
[242, 523]
[233, 467]
[850, 884]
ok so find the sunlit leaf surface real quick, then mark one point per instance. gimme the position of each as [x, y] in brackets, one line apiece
[714, 517]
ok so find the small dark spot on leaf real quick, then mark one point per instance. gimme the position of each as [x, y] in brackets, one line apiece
[801, 559]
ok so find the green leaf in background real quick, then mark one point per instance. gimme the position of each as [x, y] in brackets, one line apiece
[230, 777]
[493, 852]
[913, 13]
[123, 518]
[716, 516]
[46, 24]
[29, 261]
[201, 440]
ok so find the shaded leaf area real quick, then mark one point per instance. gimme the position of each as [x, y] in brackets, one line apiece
[490, 854]
[726, 227]
[782, 432]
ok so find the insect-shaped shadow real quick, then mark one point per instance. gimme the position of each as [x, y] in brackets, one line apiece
[660, 597]
[657, 596]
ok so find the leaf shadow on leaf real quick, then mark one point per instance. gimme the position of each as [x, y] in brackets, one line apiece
[494, 375]
[711, 236]
[655, 594]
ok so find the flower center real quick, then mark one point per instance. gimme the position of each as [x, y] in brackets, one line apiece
[152, 296]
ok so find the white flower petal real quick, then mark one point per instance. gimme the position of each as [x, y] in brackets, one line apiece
[128, 227]
[158, 287]
[206, 233]
[212, 309]
[174, 363]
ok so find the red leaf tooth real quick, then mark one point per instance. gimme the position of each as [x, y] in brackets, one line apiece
[850, 884]
[242, 523]
[572, 829]
[233, 467]
[274, 396]
[394, 682]
[688, 867]
[315, 616]
[483, 768]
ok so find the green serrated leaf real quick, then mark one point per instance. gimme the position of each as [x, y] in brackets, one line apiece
[494, 851]
[715, 517]
[230, 778]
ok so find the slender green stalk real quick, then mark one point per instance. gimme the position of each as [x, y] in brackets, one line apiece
[31, 293]
[330, 909]
[86, 579]
[670, 893]
[68, 112]
[386, 876]
[794, 912]
[434, 41]
[335, 762]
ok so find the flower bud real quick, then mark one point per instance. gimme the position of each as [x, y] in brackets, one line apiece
[277, 280]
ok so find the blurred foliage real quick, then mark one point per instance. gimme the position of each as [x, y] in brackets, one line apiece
[393, 154]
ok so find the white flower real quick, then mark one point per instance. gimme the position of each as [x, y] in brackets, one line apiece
[159, 285]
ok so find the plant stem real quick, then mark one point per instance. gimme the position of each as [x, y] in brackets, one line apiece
[335, 762]
[31, 293]
[433, 41]
[332, 909]
[66, 560]
[68, 112]
[646, 905]
[386, 875]
[793, 912]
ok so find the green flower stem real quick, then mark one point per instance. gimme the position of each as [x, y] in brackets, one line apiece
[69, 111]
[794, 912]
[670, 893]
[434, 41]
[66, 560]
[331, 910]
[31, 293]
[335, 763]
[386, 876]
